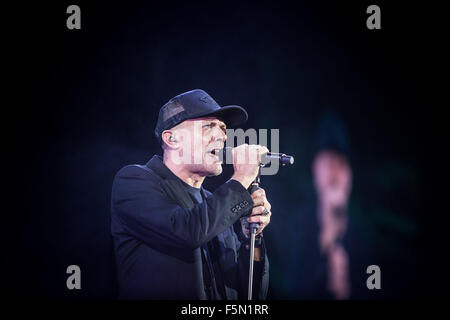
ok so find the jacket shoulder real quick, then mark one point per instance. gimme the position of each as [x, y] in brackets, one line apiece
[135, 174]
[134, 170]
[133, 179]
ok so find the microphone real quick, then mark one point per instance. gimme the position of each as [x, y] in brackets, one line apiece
[265, 158]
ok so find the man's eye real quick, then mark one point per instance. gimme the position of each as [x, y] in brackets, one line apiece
[207, 126]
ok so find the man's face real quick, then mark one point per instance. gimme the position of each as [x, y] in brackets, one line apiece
[201, 137]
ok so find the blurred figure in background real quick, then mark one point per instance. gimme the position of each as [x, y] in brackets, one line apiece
[332, 178]
[333, 182]
[318, 265]
[353, 210]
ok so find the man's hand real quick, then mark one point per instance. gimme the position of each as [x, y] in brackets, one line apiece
[261, 212]
[246, 160]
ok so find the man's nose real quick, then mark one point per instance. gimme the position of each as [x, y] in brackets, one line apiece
[219, 135]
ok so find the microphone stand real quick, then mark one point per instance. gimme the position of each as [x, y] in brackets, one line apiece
[253, 227]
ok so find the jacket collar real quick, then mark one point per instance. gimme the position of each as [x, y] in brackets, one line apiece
[174, 186]
[157, 165]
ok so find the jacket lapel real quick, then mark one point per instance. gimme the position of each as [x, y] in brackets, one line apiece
[170, 182]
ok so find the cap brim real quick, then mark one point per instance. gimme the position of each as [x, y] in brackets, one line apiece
[232, 115]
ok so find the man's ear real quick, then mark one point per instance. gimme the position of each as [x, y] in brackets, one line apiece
[169, 138]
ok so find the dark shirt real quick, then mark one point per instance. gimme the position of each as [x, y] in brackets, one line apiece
[195, 193]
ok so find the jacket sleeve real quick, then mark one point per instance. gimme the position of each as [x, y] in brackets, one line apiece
[147, 213]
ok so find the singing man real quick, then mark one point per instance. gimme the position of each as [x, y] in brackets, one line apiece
[173, 239]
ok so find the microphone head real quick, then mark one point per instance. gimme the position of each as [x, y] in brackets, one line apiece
[285, 160]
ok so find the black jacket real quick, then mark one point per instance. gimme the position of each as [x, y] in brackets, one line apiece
[158, 232]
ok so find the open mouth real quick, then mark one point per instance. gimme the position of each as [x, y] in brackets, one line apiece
[214, 153]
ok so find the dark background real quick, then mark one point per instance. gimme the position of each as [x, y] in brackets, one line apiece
[80, 104]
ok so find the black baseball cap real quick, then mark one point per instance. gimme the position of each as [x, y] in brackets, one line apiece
[196, 104]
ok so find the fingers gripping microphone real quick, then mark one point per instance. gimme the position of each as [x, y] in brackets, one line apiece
[265, 158]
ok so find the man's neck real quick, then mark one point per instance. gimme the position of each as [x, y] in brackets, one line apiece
[193, 179]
